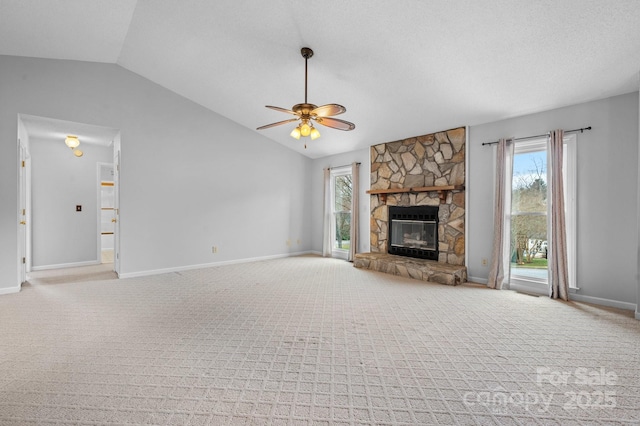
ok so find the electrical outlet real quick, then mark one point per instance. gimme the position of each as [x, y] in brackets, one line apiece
[288, 243]
[214, 249]
[485, 262]
[298, 241]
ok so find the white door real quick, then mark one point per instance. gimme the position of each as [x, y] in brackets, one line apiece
[116, 204]
[22, 215]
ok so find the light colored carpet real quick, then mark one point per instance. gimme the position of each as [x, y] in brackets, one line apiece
[309, 341]
[101, 272]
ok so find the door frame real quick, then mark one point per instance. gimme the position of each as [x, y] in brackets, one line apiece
[24, 196]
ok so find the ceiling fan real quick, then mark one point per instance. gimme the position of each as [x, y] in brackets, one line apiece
[307, 113]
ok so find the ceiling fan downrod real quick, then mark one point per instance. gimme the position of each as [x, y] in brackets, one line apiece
[306, 53]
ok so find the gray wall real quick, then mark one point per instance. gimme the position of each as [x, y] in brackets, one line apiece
[190, 178]
[60, 181]
[607, 192]
[316, 172]
[638, 237]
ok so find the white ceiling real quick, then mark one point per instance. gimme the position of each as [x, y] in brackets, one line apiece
[400, 67]
[58, 130]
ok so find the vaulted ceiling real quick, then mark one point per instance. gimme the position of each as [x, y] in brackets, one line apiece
[400, 67]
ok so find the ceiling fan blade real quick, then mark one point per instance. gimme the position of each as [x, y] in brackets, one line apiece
[328, 110]
[335, 123]
[277, 124]
[288, 111]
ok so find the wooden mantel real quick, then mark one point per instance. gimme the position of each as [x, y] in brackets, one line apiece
[441, 190]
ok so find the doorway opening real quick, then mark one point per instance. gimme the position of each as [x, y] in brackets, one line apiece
[61, 200]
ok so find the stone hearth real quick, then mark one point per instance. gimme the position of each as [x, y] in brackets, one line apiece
[419, 269]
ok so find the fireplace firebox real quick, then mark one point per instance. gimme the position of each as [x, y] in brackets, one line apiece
[413, 231]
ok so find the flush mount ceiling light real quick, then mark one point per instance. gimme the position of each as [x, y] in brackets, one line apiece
[307, 113]
[72, 141]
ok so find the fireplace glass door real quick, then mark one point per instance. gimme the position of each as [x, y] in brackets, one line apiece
[416, 234]
[413, 231]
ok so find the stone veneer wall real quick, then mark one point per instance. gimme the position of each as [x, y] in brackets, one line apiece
[436, 159]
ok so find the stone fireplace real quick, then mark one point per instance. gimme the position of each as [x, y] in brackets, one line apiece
[424, 171]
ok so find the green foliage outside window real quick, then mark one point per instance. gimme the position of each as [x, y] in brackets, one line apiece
[342, 208]
[529, 220]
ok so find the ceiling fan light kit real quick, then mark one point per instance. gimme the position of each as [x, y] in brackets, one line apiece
[307, 113]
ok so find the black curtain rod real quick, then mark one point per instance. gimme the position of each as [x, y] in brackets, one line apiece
[346, 165]
[539, 136]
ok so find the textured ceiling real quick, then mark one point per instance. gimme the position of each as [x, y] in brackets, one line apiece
[400, 67]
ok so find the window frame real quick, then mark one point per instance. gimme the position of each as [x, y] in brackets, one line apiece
[515, 280]
[335, 173]
[570, 182]
[519, 282]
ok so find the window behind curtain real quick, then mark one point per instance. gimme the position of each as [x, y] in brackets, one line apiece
[529, 231]
[341, 193]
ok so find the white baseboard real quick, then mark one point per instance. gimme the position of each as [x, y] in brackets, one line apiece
[10, 290]
[477, 280]
[573, 296]
[65, 265]
[604, 302]
[208, 265]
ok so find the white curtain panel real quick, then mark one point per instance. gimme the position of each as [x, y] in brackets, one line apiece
[326, 214]
[557, 258]
[501, 249]
[355, 207]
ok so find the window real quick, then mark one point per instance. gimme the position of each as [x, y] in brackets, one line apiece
[529, 214]
[341, 193]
